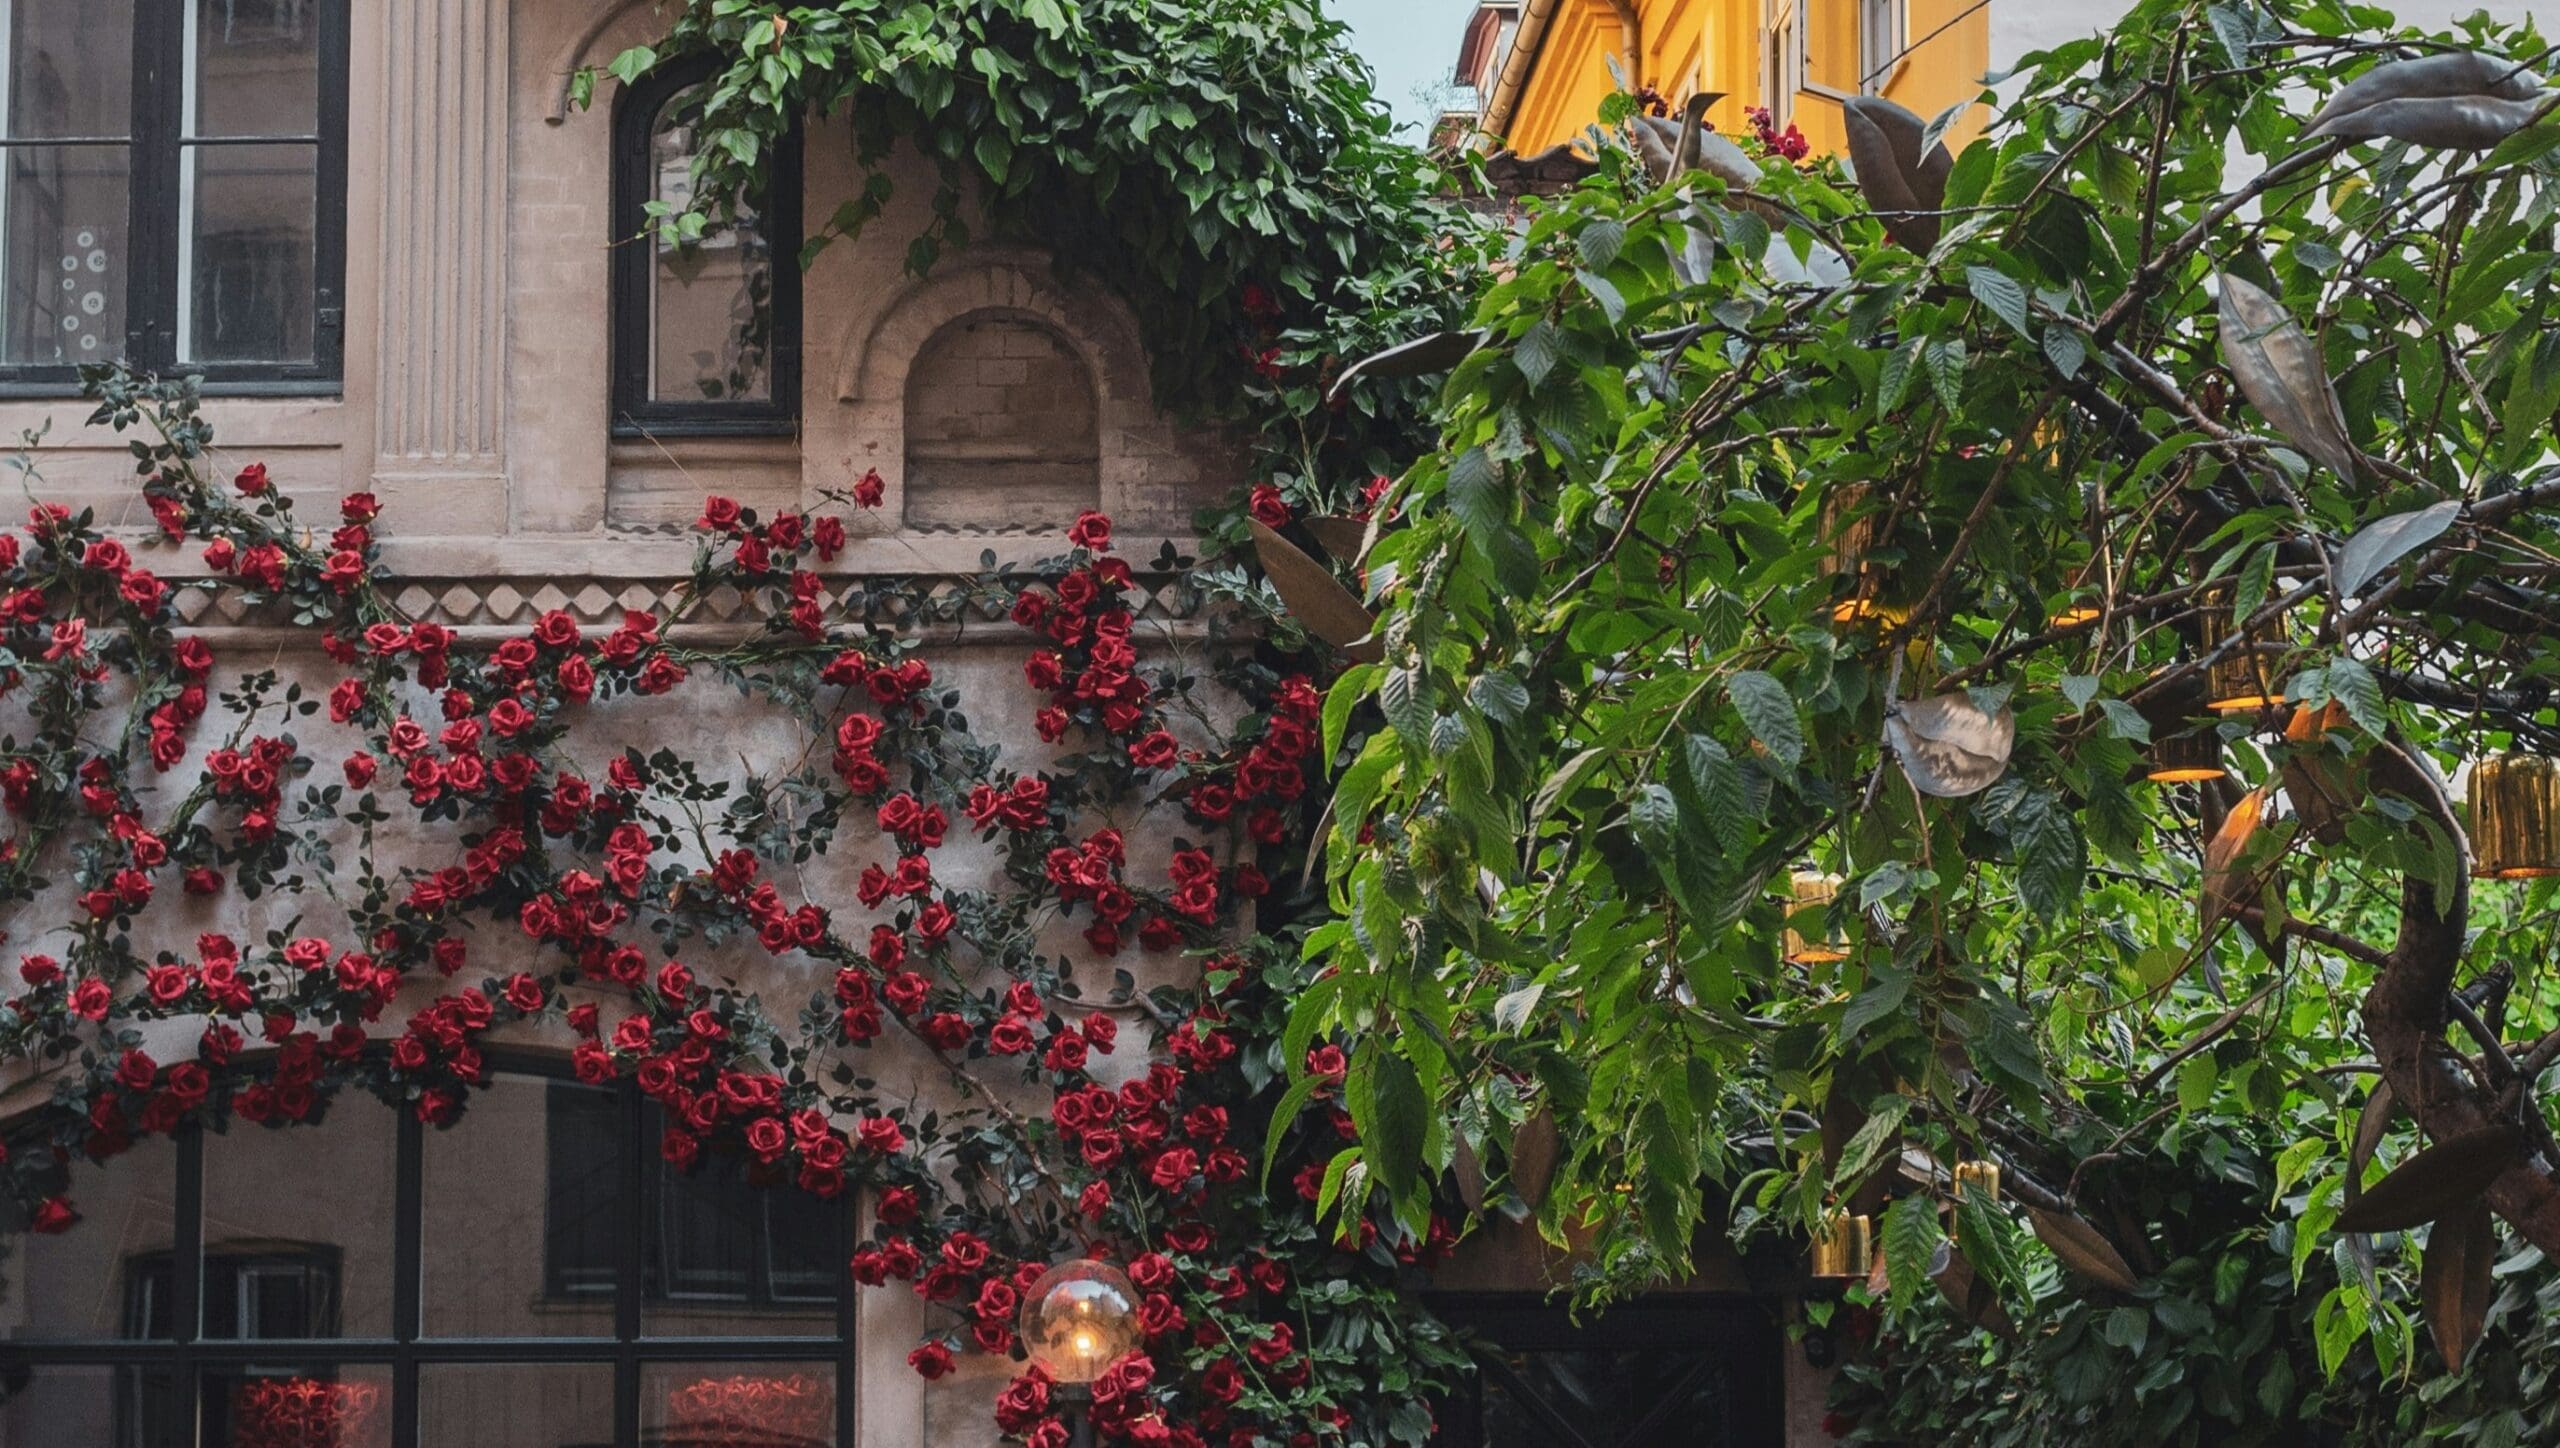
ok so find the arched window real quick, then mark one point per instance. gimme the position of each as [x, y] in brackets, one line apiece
[535, 1274]
[1003, 428]
[706, 329]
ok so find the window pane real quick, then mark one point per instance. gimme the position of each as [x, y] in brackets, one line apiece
[339, 1406]
[250, 254]
[107, 1277]
[732, 1257]
[257, 68]
[70, 68]
[314, 1261]
[54, 1406]
[782, 1405]
[63, 209]
[515, 1406]
[523, 1208]
[711, 300]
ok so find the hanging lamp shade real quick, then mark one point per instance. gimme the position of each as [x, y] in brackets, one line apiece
[2243, 679]
[2515, 817]
[1843, 1247]
[2076, 615]
[2188, 758]
[1810, 893]
[1983, 1176]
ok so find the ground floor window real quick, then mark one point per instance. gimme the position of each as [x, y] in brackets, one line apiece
[533, 1277]
[1665, 1372]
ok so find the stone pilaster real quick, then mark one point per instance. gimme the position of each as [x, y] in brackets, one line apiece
[440, 404]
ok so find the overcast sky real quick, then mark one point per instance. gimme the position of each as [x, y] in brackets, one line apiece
[1412, 45]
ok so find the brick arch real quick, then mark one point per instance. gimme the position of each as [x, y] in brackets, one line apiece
[1002, 422]
[878, 368]
[615, 28]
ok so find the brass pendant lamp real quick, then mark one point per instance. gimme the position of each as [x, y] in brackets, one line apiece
[1810, 893]
[2187, 758]
[2515, 817]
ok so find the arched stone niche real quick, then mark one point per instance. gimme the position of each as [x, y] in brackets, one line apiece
[1002, 424]
[994, 399]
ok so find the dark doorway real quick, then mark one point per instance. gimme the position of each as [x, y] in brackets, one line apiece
[1666, 1372]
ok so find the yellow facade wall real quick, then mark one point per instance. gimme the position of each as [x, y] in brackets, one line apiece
[1717, 45]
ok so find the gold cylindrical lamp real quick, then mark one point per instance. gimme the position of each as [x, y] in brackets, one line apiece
[1810, 892]
[1983, 1176]
[2243, 679]
[2515, 817]
[2186, 758]
[1843, 1247]
[1851, 531]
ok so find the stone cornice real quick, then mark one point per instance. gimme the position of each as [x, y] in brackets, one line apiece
[496, 586]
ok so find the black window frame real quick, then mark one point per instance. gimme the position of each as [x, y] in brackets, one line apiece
[154, 221]
[183, 1362]
[778, 218]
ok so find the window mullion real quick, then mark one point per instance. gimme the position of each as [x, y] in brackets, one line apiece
[159, 102]
[408, 1231]
[627, 1286]
[186, 1278]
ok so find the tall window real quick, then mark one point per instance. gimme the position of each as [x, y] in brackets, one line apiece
[706, 329]
[1883, 32]
[1782, 58]
[533, 1277]
[174, 190]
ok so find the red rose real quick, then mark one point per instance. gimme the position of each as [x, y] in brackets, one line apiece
[1267, 506]
[882, 1135]
[91, 999]
[719, 514]
[252, 479]
[1156, 751]
[1173, 1170]
[931, 1361]
[1091, 531]
[54, 1216]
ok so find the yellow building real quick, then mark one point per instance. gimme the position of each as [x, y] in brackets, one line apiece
[1542, 67]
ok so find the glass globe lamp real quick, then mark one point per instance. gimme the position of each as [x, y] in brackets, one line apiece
[1078, 1319]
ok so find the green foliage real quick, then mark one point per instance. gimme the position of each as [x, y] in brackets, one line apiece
[2220, 1347]
[1735, 480]
[1221, 165]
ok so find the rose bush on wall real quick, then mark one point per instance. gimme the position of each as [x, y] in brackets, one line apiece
[589, 892]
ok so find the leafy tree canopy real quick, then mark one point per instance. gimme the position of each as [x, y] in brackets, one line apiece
[1761, 544]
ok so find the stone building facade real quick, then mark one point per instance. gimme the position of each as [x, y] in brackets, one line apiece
[451, 304]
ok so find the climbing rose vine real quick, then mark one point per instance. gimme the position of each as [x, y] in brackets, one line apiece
[449, 851]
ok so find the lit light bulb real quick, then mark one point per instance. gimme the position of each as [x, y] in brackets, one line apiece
[1080, 1317]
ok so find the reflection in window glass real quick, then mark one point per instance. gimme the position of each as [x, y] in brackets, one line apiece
[340, 1406]
[731, 1256]
[257, 68]
[95, 1281]
[711, 299]
[251, 249]
[502, 1189]
[62, 213]
[55, 1406]
[551, 1405]
[314, 1261]
[70, 69]
[704, 1405]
